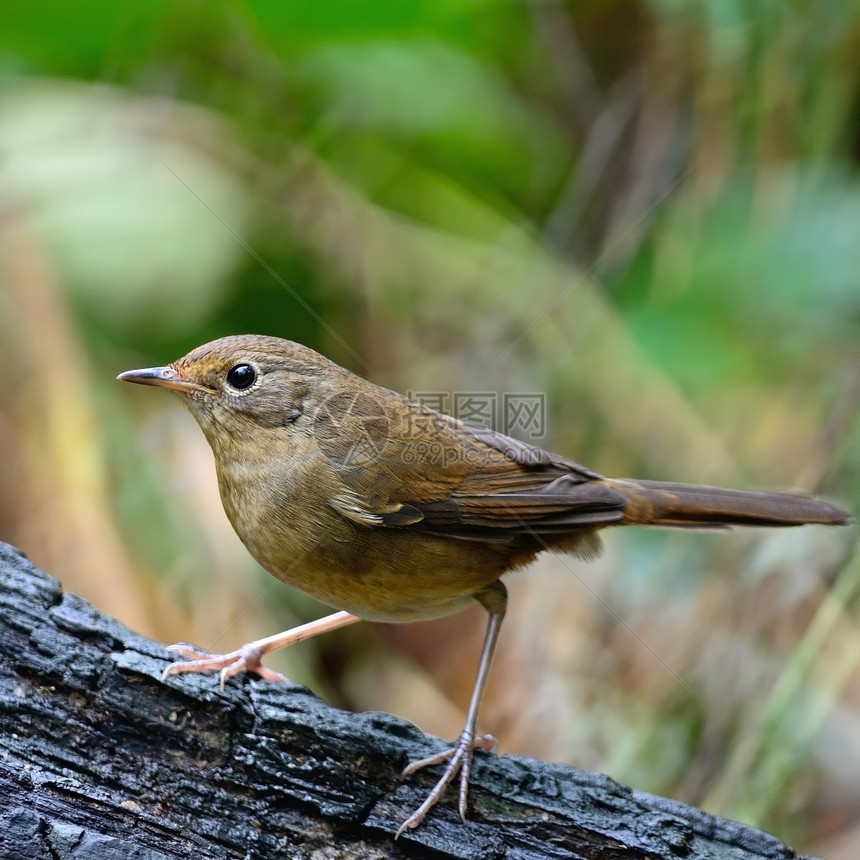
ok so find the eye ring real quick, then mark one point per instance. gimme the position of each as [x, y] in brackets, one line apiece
[242, 376]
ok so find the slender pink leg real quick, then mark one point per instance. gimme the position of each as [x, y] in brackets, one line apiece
[459, 757]
[248, 657]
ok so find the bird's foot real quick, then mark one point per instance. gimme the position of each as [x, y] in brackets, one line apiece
[459, 758]
[248, 657]
[244, 659]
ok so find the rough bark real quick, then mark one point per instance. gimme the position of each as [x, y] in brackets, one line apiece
[100, 758]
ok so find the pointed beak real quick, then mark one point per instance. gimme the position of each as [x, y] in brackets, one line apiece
[163, 377]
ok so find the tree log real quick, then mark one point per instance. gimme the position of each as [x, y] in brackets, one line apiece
[100, 758]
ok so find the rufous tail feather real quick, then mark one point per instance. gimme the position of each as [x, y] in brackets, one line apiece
[667, 504]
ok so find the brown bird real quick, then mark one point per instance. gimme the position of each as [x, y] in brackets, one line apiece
[390, 511]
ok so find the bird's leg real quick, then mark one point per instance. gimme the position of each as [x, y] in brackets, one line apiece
[494, 599]
[248, 657]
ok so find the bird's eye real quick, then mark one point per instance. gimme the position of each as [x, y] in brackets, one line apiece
[241, 376]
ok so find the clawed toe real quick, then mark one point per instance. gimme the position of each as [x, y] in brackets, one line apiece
[248, 657]
[459, 758]
[245, 659]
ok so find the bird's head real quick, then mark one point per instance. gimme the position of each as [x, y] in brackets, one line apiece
[250, 392]
[237, 384]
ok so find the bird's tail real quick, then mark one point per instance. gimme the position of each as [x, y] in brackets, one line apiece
[661, 503]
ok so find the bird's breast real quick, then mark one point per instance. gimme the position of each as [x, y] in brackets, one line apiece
[375, 572]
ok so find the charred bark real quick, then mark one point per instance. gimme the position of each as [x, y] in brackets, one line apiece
[100, 758]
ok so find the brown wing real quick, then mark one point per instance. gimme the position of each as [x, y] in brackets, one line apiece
[433, 473]
[519, 489]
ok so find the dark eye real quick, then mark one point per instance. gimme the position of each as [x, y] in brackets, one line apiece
[241, 376]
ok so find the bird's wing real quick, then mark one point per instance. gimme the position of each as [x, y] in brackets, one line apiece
[432, 473]
[521, 489]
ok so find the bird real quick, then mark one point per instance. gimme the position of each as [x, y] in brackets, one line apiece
[388, 510]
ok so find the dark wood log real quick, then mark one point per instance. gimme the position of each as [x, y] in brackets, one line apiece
[99, 758]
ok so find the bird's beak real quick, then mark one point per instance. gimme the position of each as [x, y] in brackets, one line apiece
[163, 377]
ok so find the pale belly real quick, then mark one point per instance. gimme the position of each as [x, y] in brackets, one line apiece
[376, 572]
[389, 577]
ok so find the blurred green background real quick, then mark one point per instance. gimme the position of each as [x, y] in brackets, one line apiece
[646, 210]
